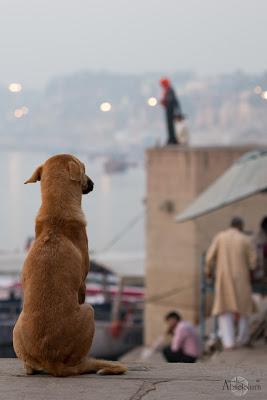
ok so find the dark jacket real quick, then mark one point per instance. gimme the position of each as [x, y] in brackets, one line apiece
[172, 103]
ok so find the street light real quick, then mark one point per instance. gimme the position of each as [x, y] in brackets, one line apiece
[105, 107]
[20, 112]
[152, 101]
[15, 87]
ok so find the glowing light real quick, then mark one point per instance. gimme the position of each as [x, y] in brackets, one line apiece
[105, 107]
[25, 110]
[18, 113]
[15, 87]
[264, 95]
[257, 90]
[152, 101]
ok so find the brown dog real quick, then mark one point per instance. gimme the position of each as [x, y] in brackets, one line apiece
[55, 329]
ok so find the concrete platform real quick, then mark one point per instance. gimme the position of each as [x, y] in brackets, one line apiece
[202, 381]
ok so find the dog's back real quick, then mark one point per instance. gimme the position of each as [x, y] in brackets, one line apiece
[51, 278]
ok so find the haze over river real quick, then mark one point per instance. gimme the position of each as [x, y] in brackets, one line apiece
[115, 201]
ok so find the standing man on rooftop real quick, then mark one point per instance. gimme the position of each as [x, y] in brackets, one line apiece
[233, 255]
[172, 109]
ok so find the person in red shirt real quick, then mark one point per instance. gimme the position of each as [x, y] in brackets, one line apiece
[172, 109]
[185, 345]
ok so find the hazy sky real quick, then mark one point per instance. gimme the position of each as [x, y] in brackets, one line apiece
[43, 38]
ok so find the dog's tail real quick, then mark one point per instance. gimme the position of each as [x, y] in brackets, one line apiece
[88, 365]
[103, 367]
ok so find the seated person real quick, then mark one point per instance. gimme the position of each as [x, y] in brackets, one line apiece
[184, 345]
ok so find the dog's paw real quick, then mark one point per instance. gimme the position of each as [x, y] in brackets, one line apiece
[29, 370]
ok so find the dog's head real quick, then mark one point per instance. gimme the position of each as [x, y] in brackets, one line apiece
[63, 167]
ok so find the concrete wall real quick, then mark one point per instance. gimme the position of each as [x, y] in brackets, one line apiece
[175, 176]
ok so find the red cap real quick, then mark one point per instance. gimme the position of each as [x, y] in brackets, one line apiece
[165, 82]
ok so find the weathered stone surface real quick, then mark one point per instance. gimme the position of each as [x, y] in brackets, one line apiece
[203, 380]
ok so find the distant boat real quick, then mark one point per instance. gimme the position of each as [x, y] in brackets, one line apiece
[116, 165]
[123, 330]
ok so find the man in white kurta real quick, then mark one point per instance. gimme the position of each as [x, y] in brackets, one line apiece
[233, 255]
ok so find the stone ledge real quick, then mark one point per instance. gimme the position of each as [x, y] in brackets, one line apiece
[143, 381]
[200, 149]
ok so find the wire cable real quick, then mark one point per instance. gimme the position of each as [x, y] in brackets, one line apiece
[122, 233]
[162, 296]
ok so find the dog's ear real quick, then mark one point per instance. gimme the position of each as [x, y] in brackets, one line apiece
[36, 176]
[75, 171]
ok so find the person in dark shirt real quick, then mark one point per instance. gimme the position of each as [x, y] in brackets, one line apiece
[172, 108]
